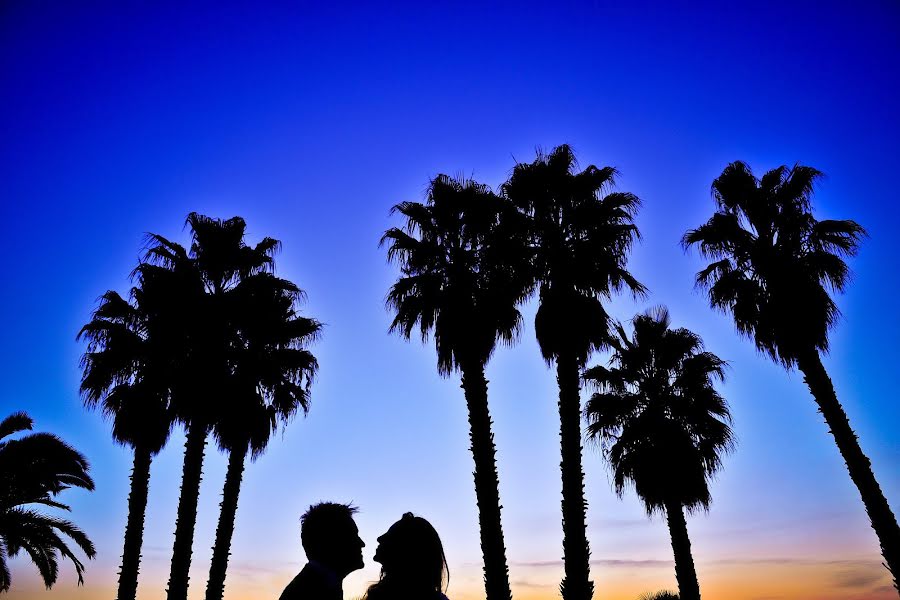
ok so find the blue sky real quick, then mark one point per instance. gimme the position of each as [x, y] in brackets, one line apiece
[311, 122]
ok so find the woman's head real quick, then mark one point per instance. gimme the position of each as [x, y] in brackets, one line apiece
[411, 553]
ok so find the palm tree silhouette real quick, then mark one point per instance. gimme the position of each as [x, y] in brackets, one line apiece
[463, 274]
[271, 375]
[34, 469]
[774, 267]
[124, 373]
[662, 425]
[202, 332]
[580, 238]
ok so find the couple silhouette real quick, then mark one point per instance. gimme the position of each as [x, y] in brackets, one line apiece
[413, 565]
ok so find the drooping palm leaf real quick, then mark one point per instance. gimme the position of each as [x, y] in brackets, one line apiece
[34, 470]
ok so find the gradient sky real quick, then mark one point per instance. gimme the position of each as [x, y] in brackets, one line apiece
[119, 118]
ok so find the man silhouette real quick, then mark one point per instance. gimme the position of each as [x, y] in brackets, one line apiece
[333, 549]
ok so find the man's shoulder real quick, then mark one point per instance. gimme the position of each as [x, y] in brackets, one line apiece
[310, 584]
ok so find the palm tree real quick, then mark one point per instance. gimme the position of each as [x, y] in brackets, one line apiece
[662, 425]
[124, 373]
[463, 274]
[34, 469]
[774, 268]
[201, 323]
[272, 373]
[579, 238]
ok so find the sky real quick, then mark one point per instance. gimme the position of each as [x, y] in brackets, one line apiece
[310, 122]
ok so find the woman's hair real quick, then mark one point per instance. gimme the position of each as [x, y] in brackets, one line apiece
[412, 561]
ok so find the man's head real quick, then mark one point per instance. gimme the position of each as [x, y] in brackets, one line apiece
[330, 536]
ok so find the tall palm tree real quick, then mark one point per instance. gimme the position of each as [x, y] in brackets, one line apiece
[271, 376]
[34, 469]
[202, 325]
[579, 237]
[774, 269]
[662, 425]
[125, 374]
[463, 274]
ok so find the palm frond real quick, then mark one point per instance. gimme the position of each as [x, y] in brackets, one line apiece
[5, 575]
[14, 423]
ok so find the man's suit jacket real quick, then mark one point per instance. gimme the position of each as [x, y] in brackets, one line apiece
[313, 583]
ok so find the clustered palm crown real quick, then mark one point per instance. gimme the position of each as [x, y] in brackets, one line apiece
[463, 271]
[774, 262]
[580, 235]
[197, 304]
[658, 417]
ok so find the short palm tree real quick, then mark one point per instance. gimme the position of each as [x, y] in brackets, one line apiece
[662, 425]
[34, 469]
[463, 275]
[774, 269]
[271, 375]
[200, 313]
[125, 374]
[579, 237]
[660, 595]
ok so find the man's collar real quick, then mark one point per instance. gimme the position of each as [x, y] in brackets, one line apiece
[330, 576]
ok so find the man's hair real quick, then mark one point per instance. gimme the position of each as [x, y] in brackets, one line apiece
[318, 523]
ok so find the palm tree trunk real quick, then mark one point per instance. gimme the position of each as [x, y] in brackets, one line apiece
[134, 528]
[487, 484]
[215, 587]
[882, 518]
[576, 583]
[688, 586]
[191, 474]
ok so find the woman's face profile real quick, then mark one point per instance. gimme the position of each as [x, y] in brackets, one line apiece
[386, 544]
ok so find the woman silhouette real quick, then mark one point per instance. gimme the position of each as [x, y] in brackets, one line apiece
[413, 565]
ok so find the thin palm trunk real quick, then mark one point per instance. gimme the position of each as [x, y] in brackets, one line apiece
[487, 485]
[134, 528]
[215, 587]
[576, 584]
[880, 515]
[192, 472]
[685, 573]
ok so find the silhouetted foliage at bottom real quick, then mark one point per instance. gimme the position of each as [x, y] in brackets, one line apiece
[660, 595]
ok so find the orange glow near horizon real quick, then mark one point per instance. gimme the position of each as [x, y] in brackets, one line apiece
[784, 579]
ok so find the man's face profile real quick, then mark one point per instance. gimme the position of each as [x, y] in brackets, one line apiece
[345, 547]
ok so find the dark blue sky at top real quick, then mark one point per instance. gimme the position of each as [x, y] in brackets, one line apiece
[310, 121]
